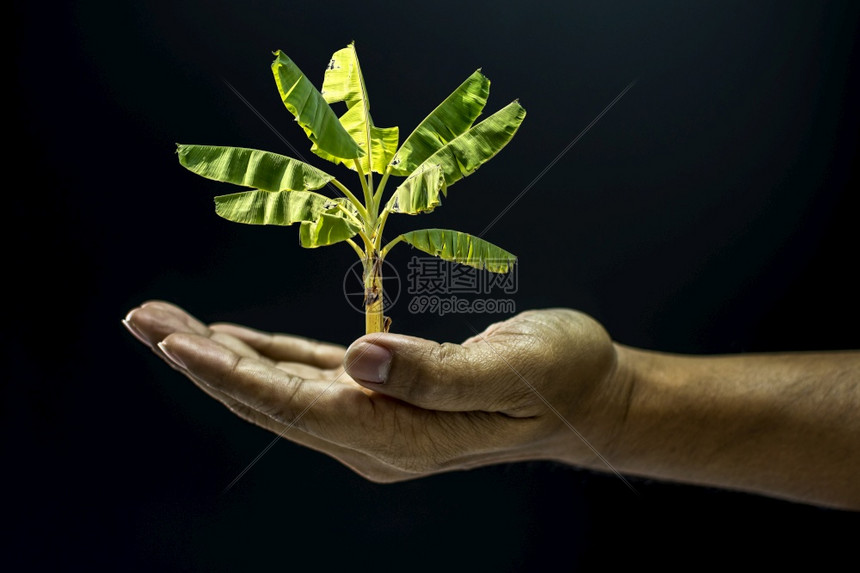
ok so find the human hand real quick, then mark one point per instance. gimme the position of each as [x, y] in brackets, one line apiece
[541, 385]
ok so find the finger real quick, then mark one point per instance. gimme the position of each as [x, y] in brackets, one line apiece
[309, 404]
[192, 322]
[305, 371]
[236, 345]
[414, 440]
[361, 463]
[153, 321]
[282, 347]
[448, 377]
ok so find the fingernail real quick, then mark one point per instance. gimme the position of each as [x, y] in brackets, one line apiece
[134, 331]
[172, 357]
[369, 362]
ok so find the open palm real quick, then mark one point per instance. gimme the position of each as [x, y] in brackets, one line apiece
[436, 407]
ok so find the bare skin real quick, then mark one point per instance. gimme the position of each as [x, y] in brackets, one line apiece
[543, 385]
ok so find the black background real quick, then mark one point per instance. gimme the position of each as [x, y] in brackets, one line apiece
[712, 210]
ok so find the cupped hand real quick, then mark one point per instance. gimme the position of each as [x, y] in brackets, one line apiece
[541, 385]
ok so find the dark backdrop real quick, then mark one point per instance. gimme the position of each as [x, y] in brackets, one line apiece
[712, 210]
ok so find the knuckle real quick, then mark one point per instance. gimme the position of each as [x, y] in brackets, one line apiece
[277, 398]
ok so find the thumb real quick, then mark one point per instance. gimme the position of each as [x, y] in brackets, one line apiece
[431, 375]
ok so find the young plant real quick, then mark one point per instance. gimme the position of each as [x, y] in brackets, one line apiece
[443, 149]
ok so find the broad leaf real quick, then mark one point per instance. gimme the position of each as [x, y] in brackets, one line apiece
[451, 118]
[461, 248]
[312, 111]
[383, 143]
[251, 168]
[419, 193]
[344, 83]
[329, 228]
[463, 155]
[271, 207]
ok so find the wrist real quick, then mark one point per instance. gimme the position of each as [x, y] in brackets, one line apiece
[674, 417]
[594, 428]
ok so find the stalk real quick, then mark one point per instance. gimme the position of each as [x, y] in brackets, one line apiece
[352, 198]
[375, 321]
[368, 191]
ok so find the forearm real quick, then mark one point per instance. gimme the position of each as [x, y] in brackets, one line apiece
[786, 425]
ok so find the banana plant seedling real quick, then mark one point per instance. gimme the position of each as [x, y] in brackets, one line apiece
[445, 147]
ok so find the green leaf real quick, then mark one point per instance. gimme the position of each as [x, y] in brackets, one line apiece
[344, 83]
[419, 193]
[251, 168]
[312, 111]
[461, 248]
[451, 118]
[329, 228]
[464, 154]
[272, 207]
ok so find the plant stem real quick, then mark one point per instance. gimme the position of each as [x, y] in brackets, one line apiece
[350, 215]
[387, 247]
[356, 248]
[377, 197]
[380, 226]
[368, 196]
[352, 198]
[368, 244]
[374, 319]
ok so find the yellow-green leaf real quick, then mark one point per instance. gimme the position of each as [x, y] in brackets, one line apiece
[272, 207]
[464, 154]
[343, 82]
[461, 248]
[419, 193]
[312, 112]
[383, 141]
[451, 118]
[251, 168]
[329, 228]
